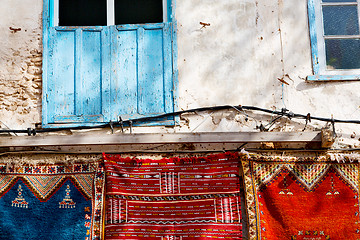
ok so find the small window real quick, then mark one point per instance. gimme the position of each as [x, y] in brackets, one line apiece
[139, 11]
[335, 37]
[82, 13]
[108, 12]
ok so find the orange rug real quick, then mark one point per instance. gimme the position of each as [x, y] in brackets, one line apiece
[302, 200]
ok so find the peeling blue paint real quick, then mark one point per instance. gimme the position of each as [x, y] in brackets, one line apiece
[313, 36]
[93, 74]
[333, 78]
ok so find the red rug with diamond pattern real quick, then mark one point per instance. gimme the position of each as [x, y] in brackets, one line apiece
[303, 200]
[176, 198]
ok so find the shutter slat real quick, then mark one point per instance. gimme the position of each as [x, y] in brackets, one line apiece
[78, 87]
[168, 69]
[124, 82]
[151, 74]
[63, 61]
[90, 95]
[106, 72]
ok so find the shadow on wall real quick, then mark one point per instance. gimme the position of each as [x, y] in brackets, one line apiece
[312, 85]
[239, 57]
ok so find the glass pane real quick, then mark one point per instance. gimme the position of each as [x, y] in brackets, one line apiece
[339, 0]
[340, 20]
[138, 11]
[342, 53]
[82, 12]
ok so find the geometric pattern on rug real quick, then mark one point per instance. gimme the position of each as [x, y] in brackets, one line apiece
[43, 186]
[51, 201]
[308, 174]
[85, 183]
[350, 172]
[5, 182]
[265, 172]
[302, 200]
[175, 198]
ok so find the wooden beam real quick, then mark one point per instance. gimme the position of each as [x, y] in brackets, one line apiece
[158, 138]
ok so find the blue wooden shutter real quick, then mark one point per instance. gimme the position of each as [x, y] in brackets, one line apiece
[94, 74]
[141, 76]
[78, 62]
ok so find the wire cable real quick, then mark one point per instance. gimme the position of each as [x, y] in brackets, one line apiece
[161, 117]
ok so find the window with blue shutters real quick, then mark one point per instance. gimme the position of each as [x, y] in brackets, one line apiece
[335, 39]
[105, 59]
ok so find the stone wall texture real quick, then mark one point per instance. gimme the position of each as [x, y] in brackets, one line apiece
[20, 63]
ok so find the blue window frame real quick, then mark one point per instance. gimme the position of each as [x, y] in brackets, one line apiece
[335, 39]
[94, 74]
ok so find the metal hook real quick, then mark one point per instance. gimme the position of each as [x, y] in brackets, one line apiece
[333, 125]
[111, 126]
[121, 123]
[284, 111]
[307, 120]
[130, 124]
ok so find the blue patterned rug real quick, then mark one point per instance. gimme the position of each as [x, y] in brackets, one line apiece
[55, 202]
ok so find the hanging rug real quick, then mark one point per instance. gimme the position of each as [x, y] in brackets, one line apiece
[176, 198]
[302, 200]
[52, 201]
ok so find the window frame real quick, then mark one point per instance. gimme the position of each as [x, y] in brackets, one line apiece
[317, 39]
[110, 13]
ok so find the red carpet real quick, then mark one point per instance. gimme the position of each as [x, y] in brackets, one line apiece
[304, 200]
[176, 198]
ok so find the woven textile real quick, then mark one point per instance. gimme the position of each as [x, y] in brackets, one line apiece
[178, 199]
[53, 201]
[302, 200]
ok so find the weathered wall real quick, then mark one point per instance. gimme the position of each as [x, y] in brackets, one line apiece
[241, 56]
[237, 59]
[20, 63]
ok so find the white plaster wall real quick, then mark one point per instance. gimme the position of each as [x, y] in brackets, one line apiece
[237, 59]
[241, 56]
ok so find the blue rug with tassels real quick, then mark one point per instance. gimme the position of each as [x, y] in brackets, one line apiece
[55, 202]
